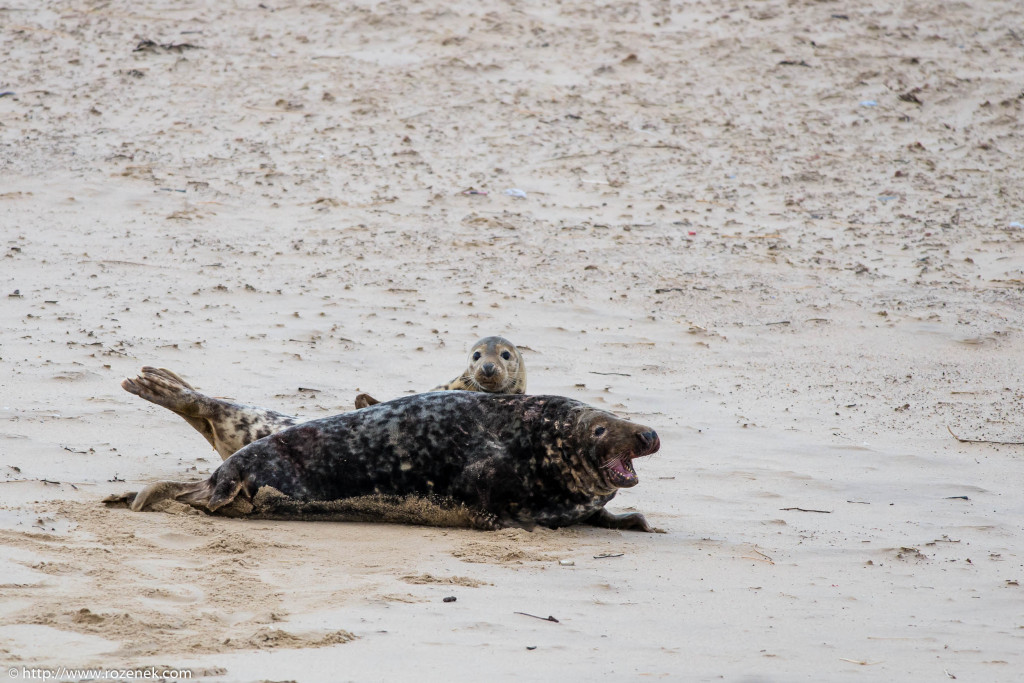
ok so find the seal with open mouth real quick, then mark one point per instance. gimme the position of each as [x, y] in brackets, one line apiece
[504, 460]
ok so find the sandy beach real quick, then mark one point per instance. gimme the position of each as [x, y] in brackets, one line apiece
[787, 235]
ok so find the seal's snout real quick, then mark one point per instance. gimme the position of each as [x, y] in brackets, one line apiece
[649, 442]
[489, 369]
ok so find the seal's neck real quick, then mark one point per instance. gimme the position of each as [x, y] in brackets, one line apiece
[565, 453]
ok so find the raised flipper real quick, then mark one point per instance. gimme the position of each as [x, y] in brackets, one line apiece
[227, 426]
[628, 520]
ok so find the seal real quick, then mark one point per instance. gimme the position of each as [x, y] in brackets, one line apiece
[504, 460]
[226, 425]
[495, 366]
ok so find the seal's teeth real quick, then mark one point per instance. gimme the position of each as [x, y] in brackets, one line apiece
[623, 466]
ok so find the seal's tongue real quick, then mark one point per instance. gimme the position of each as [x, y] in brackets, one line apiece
[623, 474]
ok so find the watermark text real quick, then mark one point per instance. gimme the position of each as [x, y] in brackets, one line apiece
[63, 673]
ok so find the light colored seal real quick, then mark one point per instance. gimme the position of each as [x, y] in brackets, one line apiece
[503, 460]
[227, 426]
[495, 367]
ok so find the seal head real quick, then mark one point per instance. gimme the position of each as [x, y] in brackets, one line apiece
[614, 443]
[495, 366]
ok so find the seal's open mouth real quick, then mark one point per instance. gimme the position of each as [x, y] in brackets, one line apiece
[620, 468]
[621, 472]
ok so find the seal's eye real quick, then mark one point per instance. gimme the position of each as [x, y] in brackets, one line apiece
[599, 431]
[506, 355]
[476, 356]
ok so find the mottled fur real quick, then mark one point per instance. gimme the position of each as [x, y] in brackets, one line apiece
[495, 366]
[508, 460]
[227, 426]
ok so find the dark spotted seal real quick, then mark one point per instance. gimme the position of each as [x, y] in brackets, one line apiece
[506, 460]
[495, 367]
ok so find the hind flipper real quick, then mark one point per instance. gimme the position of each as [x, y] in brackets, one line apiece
[194, 493]
[120, 500]
[220, 494]
[164, 388]
[224, 493]
[227, 426]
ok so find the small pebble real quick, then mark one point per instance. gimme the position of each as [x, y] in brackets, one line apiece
[566, 563]
[450, 598]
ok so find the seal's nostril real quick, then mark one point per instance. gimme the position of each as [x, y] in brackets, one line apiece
[647, 438]
[489, 369]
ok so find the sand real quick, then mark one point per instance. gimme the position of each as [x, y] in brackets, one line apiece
[788, 235]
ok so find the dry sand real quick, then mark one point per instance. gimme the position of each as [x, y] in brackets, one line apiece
[786, 234]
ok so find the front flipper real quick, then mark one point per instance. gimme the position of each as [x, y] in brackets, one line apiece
[625, 521]
[365, 400]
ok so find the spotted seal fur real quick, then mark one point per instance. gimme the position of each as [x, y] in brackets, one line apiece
[495, 366]
[507, 460]
[226, 425]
